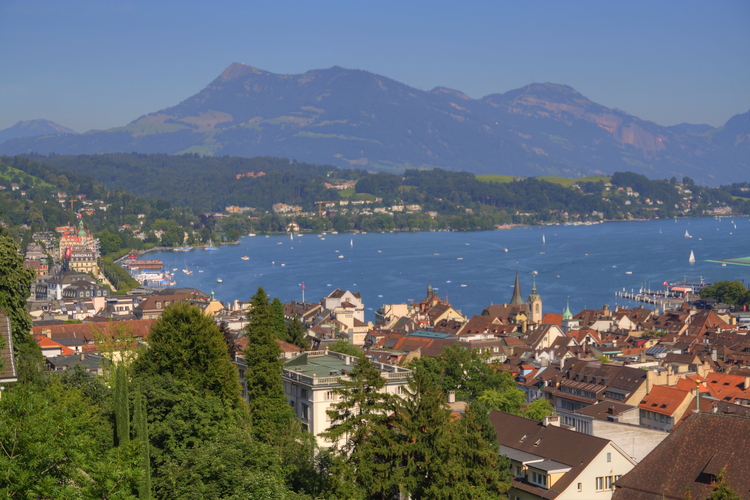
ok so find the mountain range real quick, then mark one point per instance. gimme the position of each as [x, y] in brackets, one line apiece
[353, 118]
[33, 128]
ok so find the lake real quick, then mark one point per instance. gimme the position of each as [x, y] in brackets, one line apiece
[583, 264]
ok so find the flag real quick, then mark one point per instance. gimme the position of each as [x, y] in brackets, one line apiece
[665, 283]
[302, 285]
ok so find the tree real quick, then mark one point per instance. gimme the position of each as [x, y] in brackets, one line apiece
[508, 400]
[296, 334]
[279, 323]
[273, 419]
[363, 437]
[344, 347]
[722, 490]
[538, 409]
[15, 287]
[140, 426]
[122, 407]
[186, 344]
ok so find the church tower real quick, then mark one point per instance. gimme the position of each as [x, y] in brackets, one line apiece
[517, 297]
[534, 304]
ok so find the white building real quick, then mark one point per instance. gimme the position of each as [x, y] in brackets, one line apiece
[310, 380]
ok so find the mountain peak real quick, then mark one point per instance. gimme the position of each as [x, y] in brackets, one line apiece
[236, 70]
[31, 128]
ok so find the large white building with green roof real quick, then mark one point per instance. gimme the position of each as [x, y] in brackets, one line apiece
[310, 380]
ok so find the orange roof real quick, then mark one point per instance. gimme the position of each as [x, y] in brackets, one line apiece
[664, 399]
[552, 319]
[728, 387]
[46, 343]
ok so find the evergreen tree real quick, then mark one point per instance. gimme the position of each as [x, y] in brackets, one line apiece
[122, 407]
[279, 323]
[140, 426]
[186, 344]
[364, 450]
[722, 490]
[296, 334]
[273, 419]
[228, 340]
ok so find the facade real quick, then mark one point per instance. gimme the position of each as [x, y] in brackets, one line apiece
[549, 462]
[311, 378]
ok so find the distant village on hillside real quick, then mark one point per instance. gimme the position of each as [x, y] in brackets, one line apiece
[629, 386]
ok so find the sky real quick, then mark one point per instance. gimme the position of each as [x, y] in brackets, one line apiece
[101, 64]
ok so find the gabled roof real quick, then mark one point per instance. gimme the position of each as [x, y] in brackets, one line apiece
[700, 447]
[664, 400]
[525, 437]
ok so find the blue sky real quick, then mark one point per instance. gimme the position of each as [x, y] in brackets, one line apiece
[100, 64]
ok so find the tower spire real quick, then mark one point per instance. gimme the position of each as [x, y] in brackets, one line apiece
[517, 297]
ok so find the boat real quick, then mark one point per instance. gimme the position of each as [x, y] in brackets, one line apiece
[687, 235]
[505, 249]
[660, 231]
[219, 280]
[544, 240]
[691, 259]
[210, 245]
[628, 272]
[291, 236]
[351, 243]
[251, 234]
[341, 256]
[245, 257]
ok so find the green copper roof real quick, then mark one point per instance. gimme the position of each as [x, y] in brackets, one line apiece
[567, 314]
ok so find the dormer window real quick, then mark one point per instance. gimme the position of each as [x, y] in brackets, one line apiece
[538, 479]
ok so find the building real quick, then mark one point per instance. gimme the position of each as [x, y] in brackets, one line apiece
[311, 378]
[549, 462]
[692, 456]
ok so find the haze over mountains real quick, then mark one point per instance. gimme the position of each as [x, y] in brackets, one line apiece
[353, 118]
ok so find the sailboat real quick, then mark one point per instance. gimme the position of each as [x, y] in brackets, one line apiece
[544, 240]
[692, 257]
[687, 235]
[505, 249]
[351, 243]
[660, 231]
[291, 236]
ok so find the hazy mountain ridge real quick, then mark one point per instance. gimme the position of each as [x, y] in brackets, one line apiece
[31, 128]
[356, 118]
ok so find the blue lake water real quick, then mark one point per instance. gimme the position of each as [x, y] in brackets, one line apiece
[583, 264]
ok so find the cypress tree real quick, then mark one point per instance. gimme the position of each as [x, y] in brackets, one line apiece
[295, 334]
[279, 323]
[140, 425]
[122, 407]
[273, 419]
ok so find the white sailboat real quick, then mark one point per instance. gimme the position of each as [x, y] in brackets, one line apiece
[687, 235]
[351, 243]
[544, 240]
[692, 257]
[505, 249]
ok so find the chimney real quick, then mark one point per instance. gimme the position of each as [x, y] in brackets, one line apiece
[650, 375]
[551, 420]
[747, 383]
[347, 360]
[611, 410]
[83, 357]
[451, 397]
[714, 354]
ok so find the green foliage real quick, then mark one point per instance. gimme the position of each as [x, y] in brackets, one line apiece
[508, 400]
[117, 275]
[140, 427]
[345, 347]
[467, 372]
[279, 323]
[722, 490]
[538, 409]
[186, 344]
[296, 334]
[273, 419]
[57, 445]
[729, 292]
[15, 287]
[362, 436]
[122, 407]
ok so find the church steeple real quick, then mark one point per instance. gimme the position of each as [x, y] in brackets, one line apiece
[517, 297]
[534, 303]
[567, 315]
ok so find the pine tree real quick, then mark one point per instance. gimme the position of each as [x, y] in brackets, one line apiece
[140, 427]
[364, 438]
[122, 407]
[722, 490]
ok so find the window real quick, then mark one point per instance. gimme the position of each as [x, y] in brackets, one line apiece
[538, 479]
[580, 486]
[303, 393]
[400, 389]
[599, 483]
[305, 411]
[609, 457]
[158, 305]
[606, 482]
[518, 471]
[330, 395]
